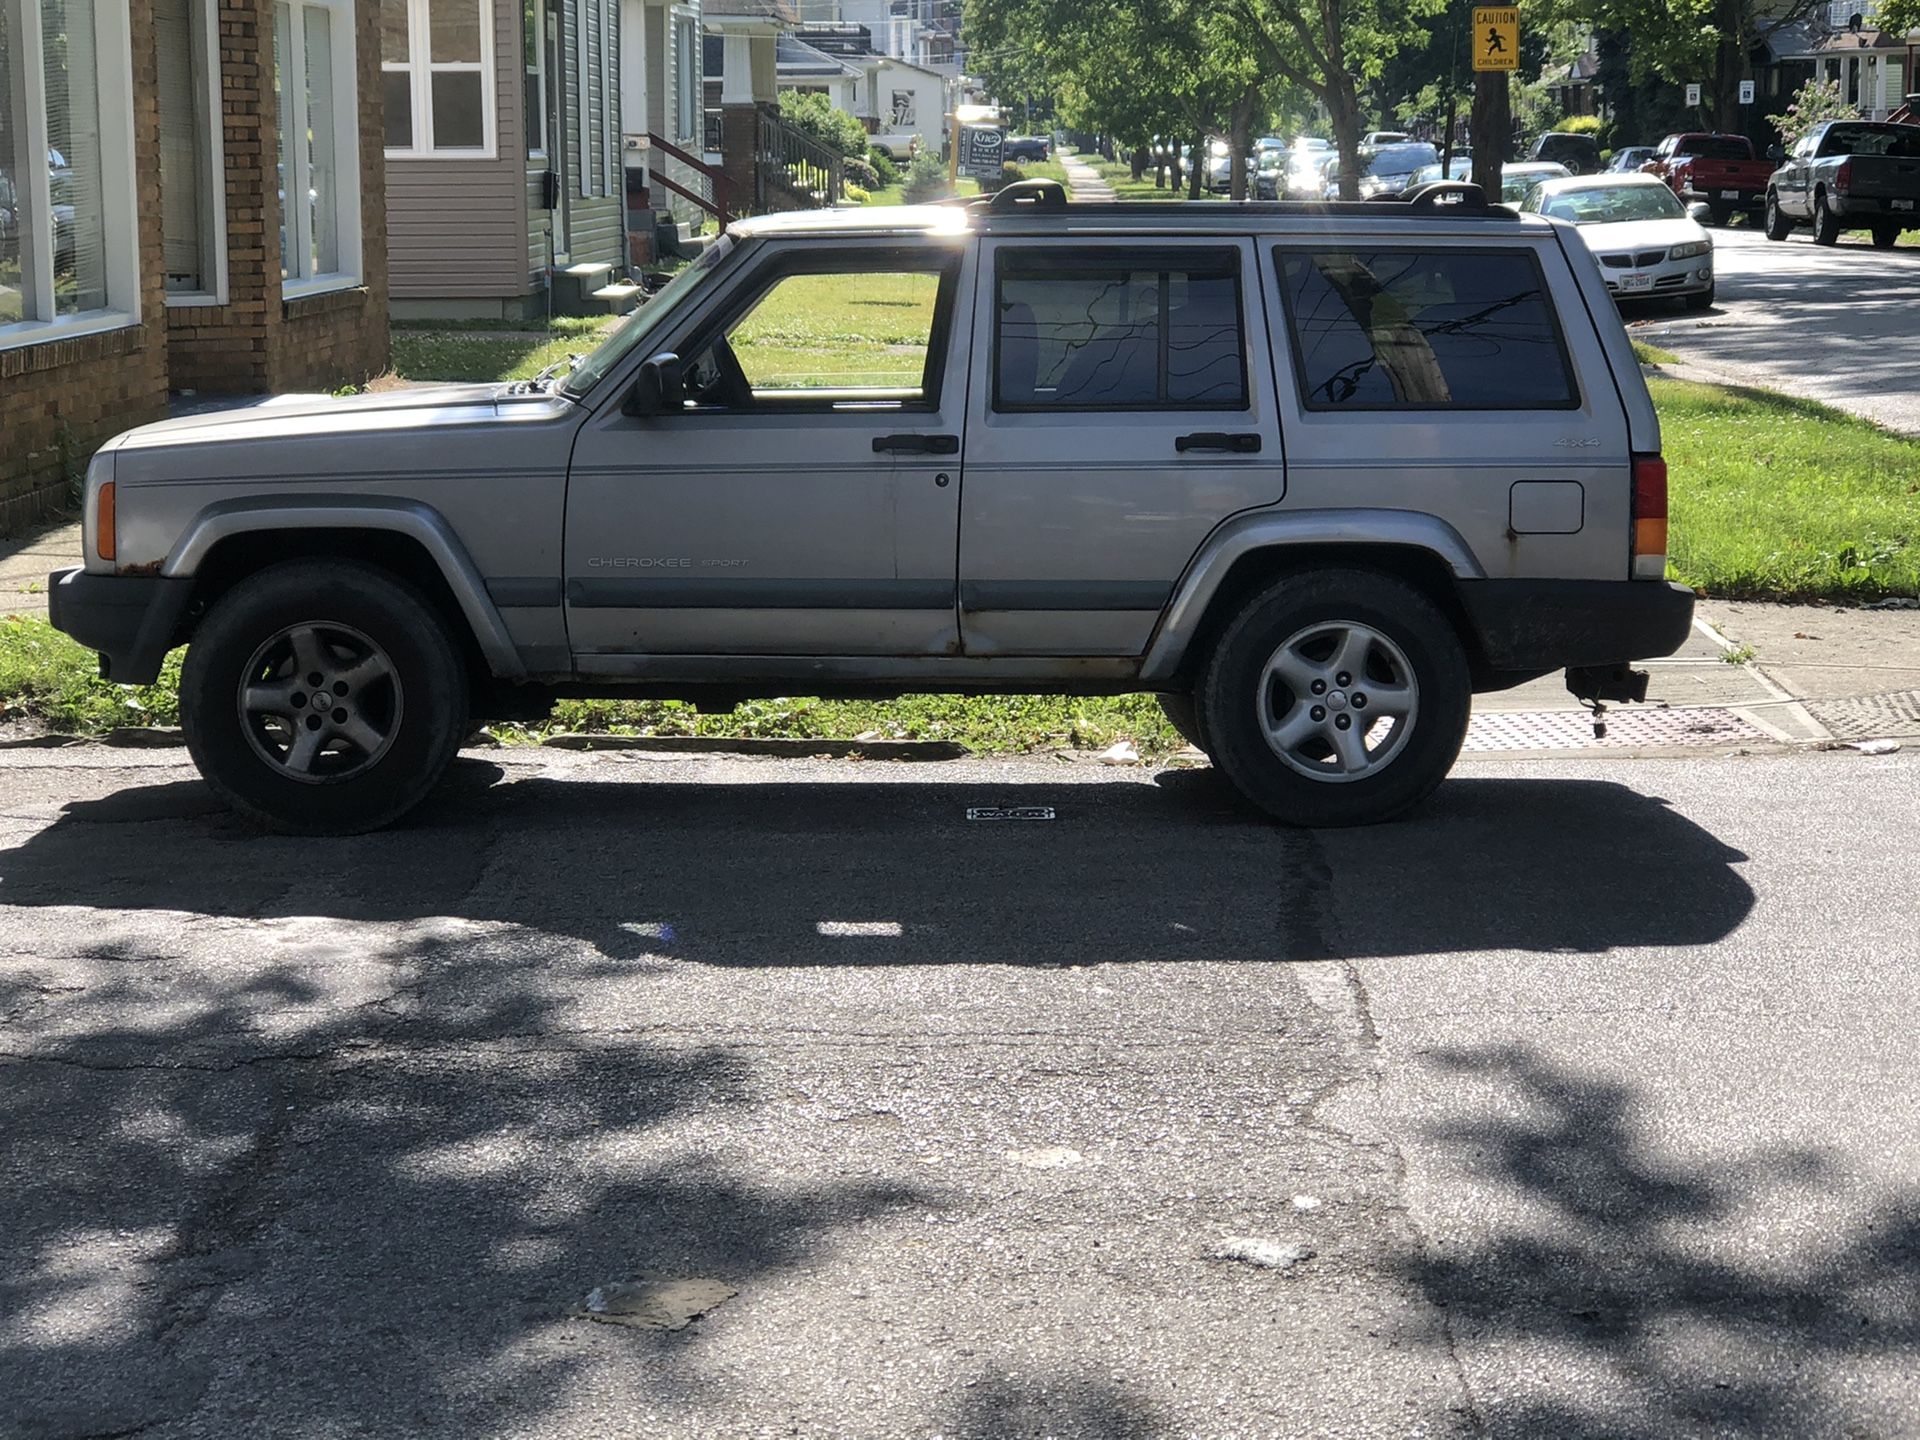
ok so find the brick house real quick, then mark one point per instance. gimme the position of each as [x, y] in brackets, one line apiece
[143, 242]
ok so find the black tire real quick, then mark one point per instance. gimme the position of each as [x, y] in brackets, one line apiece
[1235, 695]
[417, 705]
[1718, 215]
[1826, 224]
[1885, 237]
[1778, 226]
[1184, 715]
[1701, 301]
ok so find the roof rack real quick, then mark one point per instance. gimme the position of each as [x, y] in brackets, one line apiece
[1045, 196]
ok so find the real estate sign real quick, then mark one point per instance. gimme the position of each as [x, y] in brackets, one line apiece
[982, 151]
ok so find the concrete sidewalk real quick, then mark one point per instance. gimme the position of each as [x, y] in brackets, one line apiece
[1750, 673]
[1083, 181]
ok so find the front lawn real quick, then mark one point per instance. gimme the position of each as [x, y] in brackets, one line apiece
[458, 351]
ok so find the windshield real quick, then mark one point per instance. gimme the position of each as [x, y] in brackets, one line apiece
[1609, 204]
[627, 336]
[1900, 141]
[1402, 159]
[1427, 174]
[1716, 147]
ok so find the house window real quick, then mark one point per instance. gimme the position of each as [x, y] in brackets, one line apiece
[313, 88]
[902, 110]
[436, 63]
[688, 91]
[192, 159]
[534, 63]
[68, 257]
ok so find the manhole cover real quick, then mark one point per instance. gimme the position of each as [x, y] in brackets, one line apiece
[1896, 713]
[1573, 729]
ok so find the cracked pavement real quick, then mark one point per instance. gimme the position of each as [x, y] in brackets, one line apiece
[1591, 1089]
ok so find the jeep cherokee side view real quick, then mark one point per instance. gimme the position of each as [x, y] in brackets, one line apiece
[1312, 473]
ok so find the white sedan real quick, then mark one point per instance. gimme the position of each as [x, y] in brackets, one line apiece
[1648, 246]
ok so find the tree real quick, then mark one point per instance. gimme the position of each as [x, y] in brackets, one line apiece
[1332, 49]
[1813, 103]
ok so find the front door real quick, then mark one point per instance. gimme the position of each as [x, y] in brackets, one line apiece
[805, 501]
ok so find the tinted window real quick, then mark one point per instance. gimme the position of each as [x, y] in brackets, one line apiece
[1399, 329]
[1157, 332]
[1902, 141]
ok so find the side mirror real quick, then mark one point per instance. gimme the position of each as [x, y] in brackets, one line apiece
[1700, 214]
[1776, 154]
[660, 389]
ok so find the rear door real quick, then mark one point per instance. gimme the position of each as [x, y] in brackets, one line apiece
[1124, 410]
[1433, 374]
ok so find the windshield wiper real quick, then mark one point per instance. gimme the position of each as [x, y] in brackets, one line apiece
[543, 382]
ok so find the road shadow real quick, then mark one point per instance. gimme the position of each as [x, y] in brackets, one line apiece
[1598, 1254]
[852, 873]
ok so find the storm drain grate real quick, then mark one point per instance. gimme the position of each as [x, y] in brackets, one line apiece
[1573, 729]
[1895, 713]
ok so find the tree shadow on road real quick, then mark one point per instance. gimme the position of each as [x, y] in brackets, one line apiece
[1659, 1296]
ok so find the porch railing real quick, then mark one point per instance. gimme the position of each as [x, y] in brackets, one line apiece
[692, 179]
[793, 171]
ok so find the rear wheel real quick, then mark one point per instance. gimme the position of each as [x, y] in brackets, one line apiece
[1184, 715]
[1885, 237]
[1339, 697]
[1826, 224]
[1778, 226]
[323, 698]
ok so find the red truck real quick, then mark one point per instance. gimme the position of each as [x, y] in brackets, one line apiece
[1718, 171]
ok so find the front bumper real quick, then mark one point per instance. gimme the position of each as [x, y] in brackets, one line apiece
[1667, 277]
[1542, 625]
[130, 619]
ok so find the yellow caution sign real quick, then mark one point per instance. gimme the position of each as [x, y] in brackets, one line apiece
[1496, 37]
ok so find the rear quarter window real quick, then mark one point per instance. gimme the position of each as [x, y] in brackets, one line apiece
[1400, 329]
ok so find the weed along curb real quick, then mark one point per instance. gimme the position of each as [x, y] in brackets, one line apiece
[789, 749]
[124, 737]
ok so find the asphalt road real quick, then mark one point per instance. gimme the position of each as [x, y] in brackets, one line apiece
[1825, 324]
[1591, 1089]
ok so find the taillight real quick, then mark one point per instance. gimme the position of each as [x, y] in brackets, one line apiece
[1649, 517]
[1843, 177]
[106, 539]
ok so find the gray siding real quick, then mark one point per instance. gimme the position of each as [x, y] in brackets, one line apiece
[458, 228]
[598, 217]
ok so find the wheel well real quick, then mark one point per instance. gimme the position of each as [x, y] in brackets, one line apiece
[1259, 569]
[239, 557]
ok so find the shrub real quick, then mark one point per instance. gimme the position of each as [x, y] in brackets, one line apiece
[926, 179]
[1813, 102]
[854, 194]
[883, 166]
[859, 172]
[1580, 125]
[815, 117]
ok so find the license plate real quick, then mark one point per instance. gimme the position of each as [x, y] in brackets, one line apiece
[1729, 194]
[1636, 282]
[1903, 204]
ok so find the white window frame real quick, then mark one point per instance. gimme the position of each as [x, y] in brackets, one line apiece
[113, 55]
[583, 64]
[688, 76]
[538, 69]
[421, 67]
[346, 148]
[204, 18]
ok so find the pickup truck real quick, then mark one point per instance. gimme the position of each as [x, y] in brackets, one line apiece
[1848, 175]
[1721, 172]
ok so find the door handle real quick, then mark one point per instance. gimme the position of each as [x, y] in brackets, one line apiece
[916, 444]
[1234, 444]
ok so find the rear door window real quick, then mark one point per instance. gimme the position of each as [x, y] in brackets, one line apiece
[1423, 330]
[1119, 331]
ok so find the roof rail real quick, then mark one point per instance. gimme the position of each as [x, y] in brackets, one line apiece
[1042, 195]
[1461, 193]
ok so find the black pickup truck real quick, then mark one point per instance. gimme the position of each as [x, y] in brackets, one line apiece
[1848, 175]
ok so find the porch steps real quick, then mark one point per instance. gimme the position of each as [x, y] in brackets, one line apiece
[575, 287]
[619, 297]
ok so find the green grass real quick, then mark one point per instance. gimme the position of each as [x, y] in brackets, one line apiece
[559, 325]
[477, 355]
[1653, 354]
[1781, 499]
[867, 330]
[1120, 176]
[46, 677]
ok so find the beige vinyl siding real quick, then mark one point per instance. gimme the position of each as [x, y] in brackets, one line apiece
[659, 69]
[458, 228]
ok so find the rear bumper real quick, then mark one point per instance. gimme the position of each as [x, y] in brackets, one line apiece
[130, 619]
[1542, 625]
[1869, 207]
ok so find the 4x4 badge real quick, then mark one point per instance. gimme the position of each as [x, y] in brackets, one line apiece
[1577, 442]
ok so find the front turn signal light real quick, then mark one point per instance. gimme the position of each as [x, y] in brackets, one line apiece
[106, 540]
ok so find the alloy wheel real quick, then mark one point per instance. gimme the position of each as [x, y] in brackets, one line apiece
[320, 702]
[1337, 701]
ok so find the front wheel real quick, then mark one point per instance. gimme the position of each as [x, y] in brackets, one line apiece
[322, 698]
[1701, 301]
[1826, 224]
[1778, 226]
[1718, 215]
[1339, 697]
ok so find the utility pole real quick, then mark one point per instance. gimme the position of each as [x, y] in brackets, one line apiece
[1496, 47]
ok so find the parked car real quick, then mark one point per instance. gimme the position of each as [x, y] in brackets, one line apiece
[899, 147]
[1270, 174]
[1721, 172]
[1311, 142]
[1648, 247]
[1458, 168]
[1028, 147]
[1317, 617]
[1307, 173]
[1848, 175]
[1387, 170]
[1628, 159]
[1375, 138]
[1579, 153]
[1516, 180]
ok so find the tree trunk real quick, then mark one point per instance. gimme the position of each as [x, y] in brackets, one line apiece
[1240, 137]
[1137, 161]
[1197, 166]
[1492, 131]
[1343, 110]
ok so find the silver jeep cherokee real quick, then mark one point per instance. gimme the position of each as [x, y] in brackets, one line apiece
[1313, 473]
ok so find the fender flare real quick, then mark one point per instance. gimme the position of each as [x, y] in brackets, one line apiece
[1259, 530]
[422, 523]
